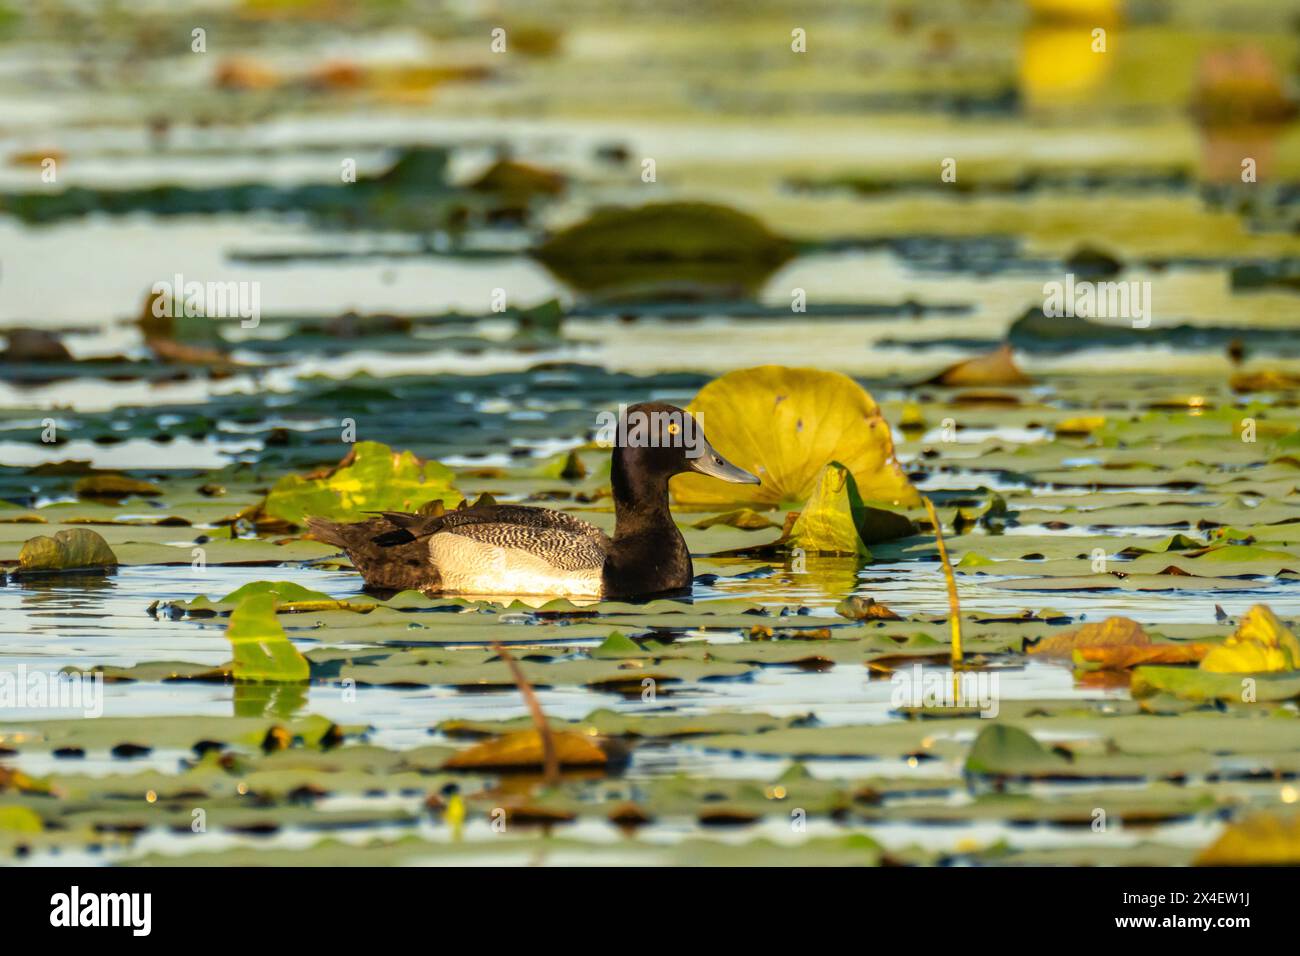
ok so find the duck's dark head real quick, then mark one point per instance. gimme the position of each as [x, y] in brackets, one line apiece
[655, 441]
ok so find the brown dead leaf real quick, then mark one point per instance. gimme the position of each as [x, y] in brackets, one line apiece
[1265, 380]
[1112, 632]
[995, 368]
[856, 607]
[1123, 657]
[523, 751]
[20, 782]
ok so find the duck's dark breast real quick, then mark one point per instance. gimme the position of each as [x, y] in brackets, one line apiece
[650, 563]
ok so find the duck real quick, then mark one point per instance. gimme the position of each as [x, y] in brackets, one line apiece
[507, 549]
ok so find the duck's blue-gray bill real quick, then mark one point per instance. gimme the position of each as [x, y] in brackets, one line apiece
[710, 463]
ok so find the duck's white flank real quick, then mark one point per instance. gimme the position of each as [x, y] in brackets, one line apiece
[468, 566]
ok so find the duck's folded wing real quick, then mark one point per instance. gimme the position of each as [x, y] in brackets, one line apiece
[556, 547]
[407, 527]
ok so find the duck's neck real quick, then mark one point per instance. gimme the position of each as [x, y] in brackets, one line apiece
[649, 553]
[640, 502]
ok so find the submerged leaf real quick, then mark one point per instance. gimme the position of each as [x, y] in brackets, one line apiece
[262, 649]
[371, 478]
[785, 425]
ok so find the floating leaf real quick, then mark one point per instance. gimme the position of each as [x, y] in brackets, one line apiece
[75, 549]
[786, 425]
[1120, 657]
[20, 782]
[1006, 751]
[996, 368]
[114, 486]
[290, 598]
[262, 650]
[666, 250]
[745, 518]
[859, 608]
[1083, 425]
[523, 751]
[19, 819]
[618, 645]
[371, 478]
[518, 182]
[1260, 644]
[283, 591]
[1112, 632]
[1190, 683]
[1243, 552]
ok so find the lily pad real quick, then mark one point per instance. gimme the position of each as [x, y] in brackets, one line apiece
[666, 250]
[76, 549]
[262, 649]
[1004, 750]
[786, 425]
[372, 477]
[523, 751]
[827, 524]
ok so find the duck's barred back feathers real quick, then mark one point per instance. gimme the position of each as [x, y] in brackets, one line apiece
[392, 550]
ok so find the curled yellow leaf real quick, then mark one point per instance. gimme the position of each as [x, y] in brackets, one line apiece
[1261, 643]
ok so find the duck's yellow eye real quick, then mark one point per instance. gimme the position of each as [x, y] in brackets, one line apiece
[673, 428]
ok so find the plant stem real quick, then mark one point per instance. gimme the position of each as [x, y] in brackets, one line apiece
[551, 762]
[954, 606]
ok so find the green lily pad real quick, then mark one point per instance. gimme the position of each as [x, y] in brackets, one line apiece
[827, 524]
[262, 649]
[1004, 750]
[664, 250]
[371, 478]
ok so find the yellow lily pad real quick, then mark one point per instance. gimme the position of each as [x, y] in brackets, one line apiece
[787, 424]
